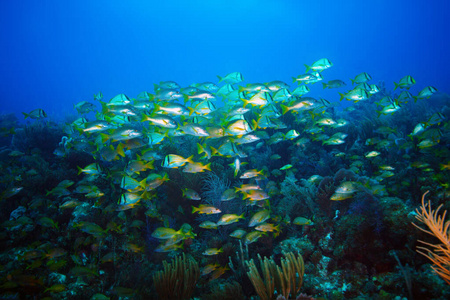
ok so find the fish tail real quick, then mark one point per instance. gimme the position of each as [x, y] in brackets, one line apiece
[120, 151]
[284, 109]
[307, 68]
[26, 115]
[213, 151]
[105, 137]
[342, 96]
[396, 85]
[189, 159]
[80, 170]
[324, 85]
[208, 166]
[143, 183]
[199, 148]
[255, 124]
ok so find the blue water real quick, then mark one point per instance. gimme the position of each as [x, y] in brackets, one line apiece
[54, 54]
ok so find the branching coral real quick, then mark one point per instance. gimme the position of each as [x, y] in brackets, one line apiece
[285, 281]
[439, 254]
[178, 279]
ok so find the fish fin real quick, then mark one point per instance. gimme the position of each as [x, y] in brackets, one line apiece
[119, 150]
[105, 137]
[324, 85]
[214, 151]
[189, 159]
[307, 68]
[396, 85]
[255, 124]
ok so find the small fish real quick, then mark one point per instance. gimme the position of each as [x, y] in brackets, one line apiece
[228, 195]
[166, 85]
[341, 196]
[268, 227]
[239, 127]
[300, 91]
[121, 134]
[333, 84]
[164, 233]
[218, 272]
[302, 221]
[291, 134]
[212, 251]
[209, 268]
[247, 187]
[231, 78]
[206, 209]
[84, 107]
[190, 194]
[96, 126]
[237, 166]
[238, 233]
[286, 167]
[92, 169]
[252, 173]
[252, 237]
[175, 161]
[208, 225]
[425, 93]
[137, 166]
[360, 78]
[259, 99]
[196, 167]
[35, 114]
[357, 94]
[70, 204]
[160, 120]
[173, 109]
[259, 217]
[229, 219]
[372, 154]
[256, 195]
[320, 65]
[405, 83]
[300, 105]
[389, 109]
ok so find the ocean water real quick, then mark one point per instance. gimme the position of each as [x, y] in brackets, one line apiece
[119, 167]
[56, 54]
